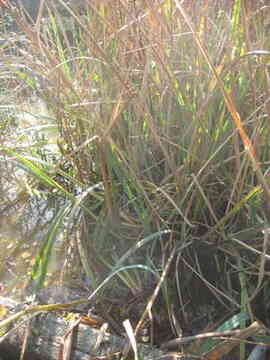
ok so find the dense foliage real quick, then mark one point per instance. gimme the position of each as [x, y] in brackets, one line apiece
[162, 111]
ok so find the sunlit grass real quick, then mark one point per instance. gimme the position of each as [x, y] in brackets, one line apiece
[166, 106]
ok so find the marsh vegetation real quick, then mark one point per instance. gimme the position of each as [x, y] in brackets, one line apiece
[158, 176]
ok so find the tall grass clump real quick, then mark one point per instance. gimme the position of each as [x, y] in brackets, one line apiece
[162, 112]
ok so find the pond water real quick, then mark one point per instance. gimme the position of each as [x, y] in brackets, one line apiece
[25, 216]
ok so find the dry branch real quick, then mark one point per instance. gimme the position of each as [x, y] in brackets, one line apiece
[46, 333]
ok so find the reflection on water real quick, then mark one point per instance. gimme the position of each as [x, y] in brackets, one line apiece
[21, 237]
[25, 217]
[35, 122]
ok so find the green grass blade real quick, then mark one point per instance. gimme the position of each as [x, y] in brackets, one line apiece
[40, 267]
[234, 322]
[41, 175]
